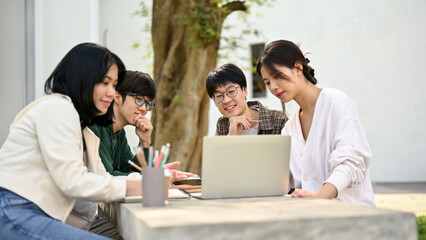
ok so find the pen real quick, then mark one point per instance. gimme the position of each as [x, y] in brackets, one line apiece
[166, 155]
[151, 149]
[134, 165]
[154, 160]
[163, 149]
[141, 157]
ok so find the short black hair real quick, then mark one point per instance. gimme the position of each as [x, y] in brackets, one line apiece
[137, 82]
[227, 73]
[76, 75]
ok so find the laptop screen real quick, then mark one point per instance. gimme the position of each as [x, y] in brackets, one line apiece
[245, 166]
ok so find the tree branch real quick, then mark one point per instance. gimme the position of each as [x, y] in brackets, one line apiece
[235, 6]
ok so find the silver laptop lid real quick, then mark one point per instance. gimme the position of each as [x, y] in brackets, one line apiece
[245, 166]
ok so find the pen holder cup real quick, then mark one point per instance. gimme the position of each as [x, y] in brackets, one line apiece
[166, 187]
[153, 187]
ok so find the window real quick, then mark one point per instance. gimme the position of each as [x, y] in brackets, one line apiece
[256, 52]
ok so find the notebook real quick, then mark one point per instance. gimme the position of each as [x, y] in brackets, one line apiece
[245, 166]
[173, 194]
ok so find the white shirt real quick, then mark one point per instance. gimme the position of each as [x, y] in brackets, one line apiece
[251, 131]
[336, 150]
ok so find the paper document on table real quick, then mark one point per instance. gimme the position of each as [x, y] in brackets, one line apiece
[177, 194]
[132, 199]
[173, 194]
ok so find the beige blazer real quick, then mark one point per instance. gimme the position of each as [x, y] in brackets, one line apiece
[42, 159]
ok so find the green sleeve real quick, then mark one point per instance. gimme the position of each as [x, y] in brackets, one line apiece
[124, 155]
[115, 160]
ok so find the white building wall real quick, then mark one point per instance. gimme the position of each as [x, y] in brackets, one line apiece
[12, 63]
[120, 29]
[60, 25]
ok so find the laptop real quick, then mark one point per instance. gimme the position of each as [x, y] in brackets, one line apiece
[245, 166]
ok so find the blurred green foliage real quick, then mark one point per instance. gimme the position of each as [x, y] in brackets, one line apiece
[421, 224]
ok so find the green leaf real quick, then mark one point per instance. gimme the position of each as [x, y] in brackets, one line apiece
[136, 45]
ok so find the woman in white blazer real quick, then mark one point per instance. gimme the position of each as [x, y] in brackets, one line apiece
[330, 154]
[50, 158]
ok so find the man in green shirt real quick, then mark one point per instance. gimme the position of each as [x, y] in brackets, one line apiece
[132, 102]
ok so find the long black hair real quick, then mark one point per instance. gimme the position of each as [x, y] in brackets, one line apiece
[76, 75]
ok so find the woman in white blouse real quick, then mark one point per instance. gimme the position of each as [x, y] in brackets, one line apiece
[330, 154]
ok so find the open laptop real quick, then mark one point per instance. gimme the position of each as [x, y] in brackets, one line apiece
[245, 166]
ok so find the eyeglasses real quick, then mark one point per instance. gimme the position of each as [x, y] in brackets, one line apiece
[140, 100]
[231, 92]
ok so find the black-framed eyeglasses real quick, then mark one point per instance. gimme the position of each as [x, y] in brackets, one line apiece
[140, 100]
[231, 91]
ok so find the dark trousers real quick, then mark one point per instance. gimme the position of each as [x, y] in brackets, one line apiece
[101, 225]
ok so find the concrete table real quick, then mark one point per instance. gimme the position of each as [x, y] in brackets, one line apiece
[263, 218]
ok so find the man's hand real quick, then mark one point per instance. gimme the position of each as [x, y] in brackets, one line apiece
[143, 129]
[239, 123]
[176, 175]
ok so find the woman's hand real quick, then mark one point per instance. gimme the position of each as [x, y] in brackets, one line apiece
[327, 191]
[301, 193]
[133, 187]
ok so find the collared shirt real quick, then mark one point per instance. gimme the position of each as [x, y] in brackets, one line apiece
[272, 121]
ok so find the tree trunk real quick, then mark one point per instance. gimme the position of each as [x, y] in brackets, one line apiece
[180, 70]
